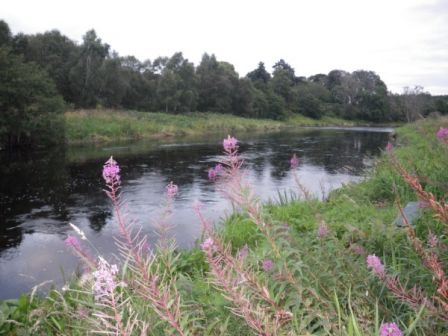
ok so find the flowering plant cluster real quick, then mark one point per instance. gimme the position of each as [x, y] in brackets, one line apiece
[300, 275]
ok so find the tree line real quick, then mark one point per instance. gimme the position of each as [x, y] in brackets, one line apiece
[43, 74]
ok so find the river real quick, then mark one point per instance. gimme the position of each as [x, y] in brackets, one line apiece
[42, 192]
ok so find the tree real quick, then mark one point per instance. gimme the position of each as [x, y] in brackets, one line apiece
[259, 76]
[216, 85]
[283, 79]
[30, 107]
[114, 82]
[414, 101]
[56, 54]
[85, 76]
[176, 87]
[309, 99]
[5, 34]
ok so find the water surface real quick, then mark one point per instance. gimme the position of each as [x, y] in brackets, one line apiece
[40, 193]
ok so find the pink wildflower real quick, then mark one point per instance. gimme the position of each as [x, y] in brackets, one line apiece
[72, 242]
[389, 147]
[442, 133]
[230, 144]
[111, 171]
[267, 265]
[243, 252]
[218, 168]
[322, 231]
[207, 245]
[294, 161]
[432, 240]
[375, 264]
[104, 279]
[211, 174]
[357, 249]
[390, 329]
[171, 190]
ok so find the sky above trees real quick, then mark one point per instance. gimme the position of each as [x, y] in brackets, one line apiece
[406, 41]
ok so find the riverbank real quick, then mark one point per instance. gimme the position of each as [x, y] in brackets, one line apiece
[94, 126]
[305, 258]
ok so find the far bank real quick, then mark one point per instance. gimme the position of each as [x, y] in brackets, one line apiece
[104, 125]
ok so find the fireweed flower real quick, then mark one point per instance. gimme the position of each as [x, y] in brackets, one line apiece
[442, 133]
[207, 245]
[294, 161]
[211, 174]
[214, 172]
[229, 144]
[322, 231]
[389, 147]
[267, 265]
[432, 240]
[72, 242]
[375, 264]
[357, 249]
[218, 168]
[104, 279]
[171, 190]
[390, 329]
[243, 252]
[111, 171]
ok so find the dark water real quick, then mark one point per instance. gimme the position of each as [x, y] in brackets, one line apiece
[41, 193]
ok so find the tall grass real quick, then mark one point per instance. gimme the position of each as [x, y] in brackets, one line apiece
[111, 125]
[103, 125]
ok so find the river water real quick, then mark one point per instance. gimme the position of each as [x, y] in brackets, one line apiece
[41, 192]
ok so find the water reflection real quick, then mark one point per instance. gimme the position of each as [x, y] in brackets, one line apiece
[41, 193]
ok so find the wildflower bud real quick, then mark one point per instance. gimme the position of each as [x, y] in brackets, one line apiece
[357, 249]
[218, 168]
[171, 190]
[72, 242]
[322, 231]
[390, 329]
[389, 147]
[111, 171]
[243, 252]
[375, 264]
[432, 240]
[230, 144]
[267, 265]
[442, 134]
[294, 161]
[211, 174]
[207, 245]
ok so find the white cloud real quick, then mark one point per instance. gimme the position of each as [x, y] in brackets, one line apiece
[404, 41]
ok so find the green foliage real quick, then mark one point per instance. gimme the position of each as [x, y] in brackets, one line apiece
[85, 75]
[240, 231]
[89, 75]
[31, 110]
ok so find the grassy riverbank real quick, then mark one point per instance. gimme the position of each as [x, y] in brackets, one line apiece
[305, 257]
[90, 126]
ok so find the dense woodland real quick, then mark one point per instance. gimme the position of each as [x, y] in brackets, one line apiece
[41, 75]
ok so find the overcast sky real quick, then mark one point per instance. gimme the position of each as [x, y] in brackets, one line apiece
[404, 41]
